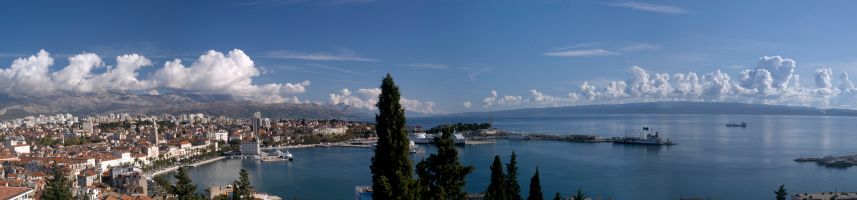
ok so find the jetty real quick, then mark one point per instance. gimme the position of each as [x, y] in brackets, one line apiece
[205, 162]
[831, 161]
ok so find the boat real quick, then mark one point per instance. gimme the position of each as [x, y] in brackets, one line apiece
[650, 139]
[424, 138]
[459, 139]
[742, 124]
[518, 136]
[286, 155]
[421, 138]
[838, 163]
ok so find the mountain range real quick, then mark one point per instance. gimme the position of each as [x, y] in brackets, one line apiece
[83, 104]
[672, 108]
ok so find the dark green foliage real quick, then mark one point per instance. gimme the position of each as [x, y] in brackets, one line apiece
[558, 196]
[460, 127]
[162, 181]
[441, 176]
[57, 187]
[536, 187]
[781, 193]
[221, 197]
[497, 190]
[514, 190]
[241, 188]
[579, 195]
[392, 171]
[183, 189]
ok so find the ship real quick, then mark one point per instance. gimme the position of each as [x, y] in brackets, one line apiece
[650, 139]
[742, 124]
[421, 138]
[424, 138]
[518, 136]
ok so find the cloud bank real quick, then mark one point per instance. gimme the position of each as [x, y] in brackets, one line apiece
[212, 73]
[772, 82]
[366, 98]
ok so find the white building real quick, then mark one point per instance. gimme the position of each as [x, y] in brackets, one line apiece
[219, 135]
[250, 147]
[330, 130]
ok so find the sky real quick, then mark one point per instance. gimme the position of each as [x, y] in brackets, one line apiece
[447, 56]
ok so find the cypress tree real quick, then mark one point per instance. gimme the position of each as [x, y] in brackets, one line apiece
[392, 173]
[58, 187]
[241, 190]
[183, 189]
[441, 176]
[580, 194]
[512, 178]
[536, 187]
[558, 196]
[781, 193]
[497, 190]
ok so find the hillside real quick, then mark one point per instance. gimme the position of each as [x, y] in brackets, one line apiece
[121, 102]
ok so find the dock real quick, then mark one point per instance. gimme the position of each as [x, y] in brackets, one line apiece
[478, 142]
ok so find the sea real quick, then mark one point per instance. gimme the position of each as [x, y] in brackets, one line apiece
[710, 160]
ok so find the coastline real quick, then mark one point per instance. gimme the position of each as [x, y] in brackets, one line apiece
[191, 165]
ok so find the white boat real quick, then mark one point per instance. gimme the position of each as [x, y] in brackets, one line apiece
[421, 138]
[288, 155]
[459, 139]
[518, 136]
[285, 155]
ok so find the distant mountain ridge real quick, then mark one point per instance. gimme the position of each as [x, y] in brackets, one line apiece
[673, 108]
[12, 106]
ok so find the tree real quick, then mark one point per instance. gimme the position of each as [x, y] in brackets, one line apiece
[514, 190]
[497, 190]
[781, 193]
[579, 195]
[221, 197]
[392, 173]
[558, 196]
[242, 187]
[441, 176]
[58, 187]
[536, 187]
[183, 189]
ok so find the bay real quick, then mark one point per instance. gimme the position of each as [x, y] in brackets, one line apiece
[710, 160]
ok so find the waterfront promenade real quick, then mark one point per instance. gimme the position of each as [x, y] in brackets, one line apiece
[189, 165]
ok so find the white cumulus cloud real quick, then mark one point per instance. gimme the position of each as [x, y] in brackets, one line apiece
[213, 73]
[366, 98]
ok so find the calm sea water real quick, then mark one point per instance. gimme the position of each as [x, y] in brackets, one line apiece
[710, 160]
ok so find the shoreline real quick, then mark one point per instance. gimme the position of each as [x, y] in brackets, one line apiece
[191, 165]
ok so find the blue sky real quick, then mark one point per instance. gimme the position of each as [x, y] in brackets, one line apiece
[496, 55]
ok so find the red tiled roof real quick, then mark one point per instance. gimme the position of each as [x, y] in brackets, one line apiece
[9, 192]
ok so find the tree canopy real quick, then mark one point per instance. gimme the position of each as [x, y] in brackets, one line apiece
[57, 187]
[441, 175]
[392, 171]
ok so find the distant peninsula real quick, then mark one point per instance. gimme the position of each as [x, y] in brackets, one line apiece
[671, 108]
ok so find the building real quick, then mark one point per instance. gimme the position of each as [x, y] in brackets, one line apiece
[219, 135]
[256, 124]
[16, 193]
[17, 144]
[250, 147]
[363, 192]
[213, 191]
[825, 196]
[330, 131]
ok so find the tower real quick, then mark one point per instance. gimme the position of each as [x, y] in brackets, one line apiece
[256, 124]
[155, 131]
